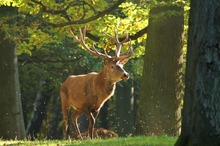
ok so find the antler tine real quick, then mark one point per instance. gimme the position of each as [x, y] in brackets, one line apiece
[116, 36]
[82, 42]
[106, 53]
[83, 34]
[111, 37]
[128, 53]
[118, 44]
[74, 36]
[100, 54]
[126, 38]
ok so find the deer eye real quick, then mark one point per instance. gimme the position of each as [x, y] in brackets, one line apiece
[112, 66]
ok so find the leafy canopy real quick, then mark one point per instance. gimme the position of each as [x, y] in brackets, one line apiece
[46, 22]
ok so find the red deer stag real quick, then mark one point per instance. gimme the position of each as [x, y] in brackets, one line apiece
[87, 93]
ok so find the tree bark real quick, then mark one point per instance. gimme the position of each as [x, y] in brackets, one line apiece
[103, 117]
[124, 108]
[201, 118]
[161, 90]
[55, 128]
[11, 123]
[39, 111]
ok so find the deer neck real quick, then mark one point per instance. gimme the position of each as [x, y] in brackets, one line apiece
[105, 83]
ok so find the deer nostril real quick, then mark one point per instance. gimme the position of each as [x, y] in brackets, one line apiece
[126, 76]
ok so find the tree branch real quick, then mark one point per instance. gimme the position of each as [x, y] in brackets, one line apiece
[44, 8]
[139, 33]
[132, 37]
[38, 60]
[83, 21]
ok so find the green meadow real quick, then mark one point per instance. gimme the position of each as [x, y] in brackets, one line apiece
[128, 141]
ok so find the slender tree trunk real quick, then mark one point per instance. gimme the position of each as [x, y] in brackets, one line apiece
[124, 108]
[161, 90]
[201, 116]
[56, 117]
[39, 111]
[11, 123]
[103, 116]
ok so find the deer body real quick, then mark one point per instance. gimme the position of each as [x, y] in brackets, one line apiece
[87, 93]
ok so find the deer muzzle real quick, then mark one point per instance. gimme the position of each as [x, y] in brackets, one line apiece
[125, 76]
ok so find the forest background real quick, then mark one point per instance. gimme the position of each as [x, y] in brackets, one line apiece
[38, 53]
[47, 54]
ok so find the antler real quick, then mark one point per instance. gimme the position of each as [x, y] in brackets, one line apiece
[119, 44]
[128, 53]
[81, 40]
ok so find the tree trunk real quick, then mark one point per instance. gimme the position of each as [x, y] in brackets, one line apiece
[55, 130]
[161, 90]
[124, 108]
[103, 117]
[39, 111]
[11, 123]
[201, 117]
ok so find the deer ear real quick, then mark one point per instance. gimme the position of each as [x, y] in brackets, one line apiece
[124, 61]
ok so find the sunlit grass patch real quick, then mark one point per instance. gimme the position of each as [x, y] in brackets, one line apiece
[128, 141]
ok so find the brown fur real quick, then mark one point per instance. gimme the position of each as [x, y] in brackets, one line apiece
[87, 93]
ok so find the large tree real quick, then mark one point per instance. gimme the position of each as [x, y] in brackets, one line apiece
[160, 97]
[11, 123]
[201, 118]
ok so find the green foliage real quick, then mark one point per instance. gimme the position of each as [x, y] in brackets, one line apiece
[134, 19]
[10, 3]
[37, 39]
[130, 17]
[129, 141]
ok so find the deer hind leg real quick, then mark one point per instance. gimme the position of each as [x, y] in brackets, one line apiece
[75, 116]
[65, 111]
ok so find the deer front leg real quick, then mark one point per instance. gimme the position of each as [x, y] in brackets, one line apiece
[95, 114]
[91, 116]
[91, 124]
[75, 116]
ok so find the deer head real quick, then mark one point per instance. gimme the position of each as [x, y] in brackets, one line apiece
[113, 65]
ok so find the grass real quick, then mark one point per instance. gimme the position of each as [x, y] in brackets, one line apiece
[128, 141]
